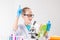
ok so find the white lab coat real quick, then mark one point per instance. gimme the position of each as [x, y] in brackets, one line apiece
[23, 31]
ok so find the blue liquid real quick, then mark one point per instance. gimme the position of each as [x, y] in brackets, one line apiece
[11, 37]
[48, 26]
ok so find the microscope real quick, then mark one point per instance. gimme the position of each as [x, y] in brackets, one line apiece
[33, 32]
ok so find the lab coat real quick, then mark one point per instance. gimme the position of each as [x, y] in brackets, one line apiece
[23, 31]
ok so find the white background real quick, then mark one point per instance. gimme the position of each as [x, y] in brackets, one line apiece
[44, 10]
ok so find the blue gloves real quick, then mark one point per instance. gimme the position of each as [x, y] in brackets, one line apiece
[19, 11]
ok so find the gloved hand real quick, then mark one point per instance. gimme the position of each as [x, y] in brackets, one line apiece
[19, 11]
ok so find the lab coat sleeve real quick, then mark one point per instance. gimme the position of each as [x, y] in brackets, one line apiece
[18, 31]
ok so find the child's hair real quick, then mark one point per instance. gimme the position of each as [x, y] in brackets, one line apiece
[24, 9]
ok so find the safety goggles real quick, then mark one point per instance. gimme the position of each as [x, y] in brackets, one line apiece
[29, 15]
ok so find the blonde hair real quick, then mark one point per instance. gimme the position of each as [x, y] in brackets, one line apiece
[24, 9]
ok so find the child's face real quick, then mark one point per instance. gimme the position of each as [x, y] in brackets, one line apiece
[28, 16]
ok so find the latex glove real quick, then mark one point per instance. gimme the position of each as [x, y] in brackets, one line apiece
[19, 11]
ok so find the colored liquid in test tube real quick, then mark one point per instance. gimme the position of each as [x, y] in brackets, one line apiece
[48, 26]
[11, 37]
[18, 38]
